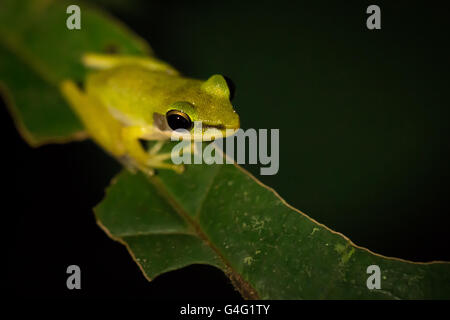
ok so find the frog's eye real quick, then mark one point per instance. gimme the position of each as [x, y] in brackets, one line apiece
[178, 120]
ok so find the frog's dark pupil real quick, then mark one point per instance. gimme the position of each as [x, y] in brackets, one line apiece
[177, 121]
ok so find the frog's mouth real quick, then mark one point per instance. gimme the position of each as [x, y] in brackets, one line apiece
[208, 131]
[213, 132]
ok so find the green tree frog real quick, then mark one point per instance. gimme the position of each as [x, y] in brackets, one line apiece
[129, 98]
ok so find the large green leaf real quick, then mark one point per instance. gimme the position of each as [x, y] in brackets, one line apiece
[222, 216]
[217, 215]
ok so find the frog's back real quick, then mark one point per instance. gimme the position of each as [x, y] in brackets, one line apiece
[133, 93]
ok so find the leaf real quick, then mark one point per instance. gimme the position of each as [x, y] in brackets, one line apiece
[222, 216]
[218, 214]
[39, 51]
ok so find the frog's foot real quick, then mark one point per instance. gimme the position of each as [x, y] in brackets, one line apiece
[156, 160]
[134, 166]
[152, 163]
[146, 160]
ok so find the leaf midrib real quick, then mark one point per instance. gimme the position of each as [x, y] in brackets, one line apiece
[155, 233]
[245, 288]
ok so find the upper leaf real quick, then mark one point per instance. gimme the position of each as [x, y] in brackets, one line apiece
[37, 51]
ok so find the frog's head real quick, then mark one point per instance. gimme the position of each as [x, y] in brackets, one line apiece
[207, 102]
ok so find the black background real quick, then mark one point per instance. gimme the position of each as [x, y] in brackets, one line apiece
[363, 138]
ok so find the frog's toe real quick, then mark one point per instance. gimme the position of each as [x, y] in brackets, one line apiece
[179, 168]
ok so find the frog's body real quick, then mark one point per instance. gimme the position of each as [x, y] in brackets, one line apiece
[129, 98]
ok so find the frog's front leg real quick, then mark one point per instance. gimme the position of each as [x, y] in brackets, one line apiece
[145, 161]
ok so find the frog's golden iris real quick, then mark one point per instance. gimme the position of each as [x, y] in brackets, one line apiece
[178, 120]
